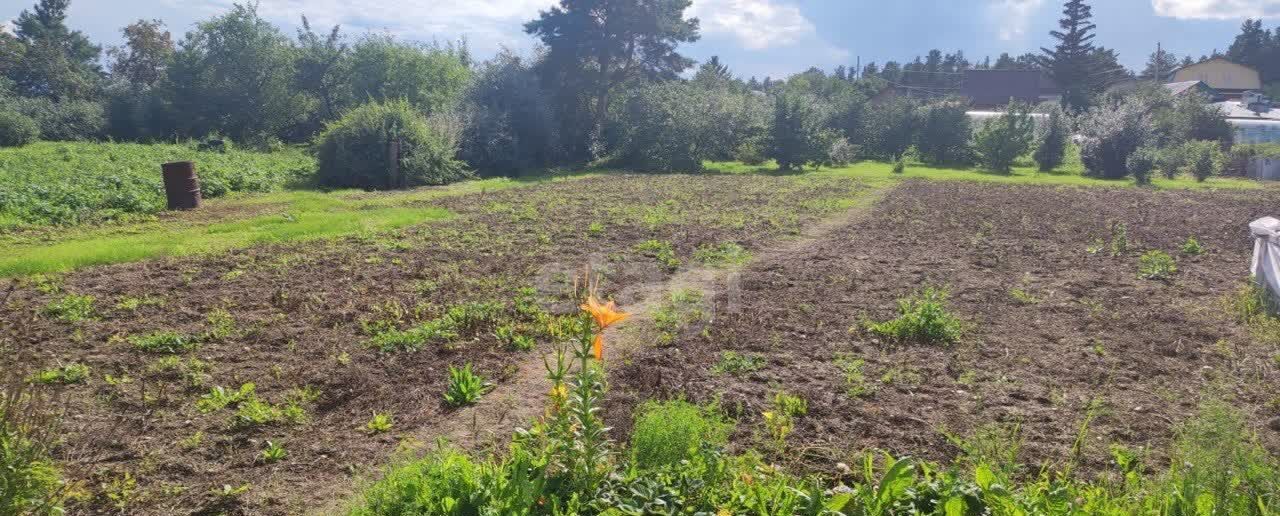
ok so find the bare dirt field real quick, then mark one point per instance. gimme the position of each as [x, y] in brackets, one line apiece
[149, 432]
[1062, 333]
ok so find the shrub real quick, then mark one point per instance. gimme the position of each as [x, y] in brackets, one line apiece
[511, 127]
[1171, 161]
[1192, 117]
[465, 387]
[842, 152]
[943, 132]
[668, 432]
[1003, 139]
[353, 152]
[899, 165]
[798, 136]
[1051, 147]
[67, 120]
[17, 129]
[1156, 265]
[750, 152]
[922, 317]
[446, 481]
[1204, 159]
[1141, 163]
[1111, 132]
[667, 126]
[889, 128]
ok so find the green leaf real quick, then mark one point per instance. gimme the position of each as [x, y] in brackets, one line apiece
[956, 506]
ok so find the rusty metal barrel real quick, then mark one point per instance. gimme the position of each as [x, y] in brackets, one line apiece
[181, 186]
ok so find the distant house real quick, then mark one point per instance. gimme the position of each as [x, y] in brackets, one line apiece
[1176, 88]
[1227, 78]
[996, 88]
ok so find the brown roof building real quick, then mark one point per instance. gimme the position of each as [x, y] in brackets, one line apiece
[996, 88]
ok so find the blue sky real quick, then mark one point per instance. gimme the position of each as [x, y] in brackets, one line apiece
[754, 37]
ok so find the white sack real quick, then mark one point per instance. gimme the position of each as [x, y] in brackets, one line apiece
[1266, 255]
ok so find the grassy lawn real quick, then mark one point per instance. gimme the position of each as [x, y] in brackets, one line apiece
[273, 217]
[1068, 175]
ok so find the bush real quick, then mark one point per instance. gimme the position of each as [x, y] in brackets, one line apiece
[1204, 159]
[1192, 117]
[798, 136]
[353, 152]
[943, 132]
[511, 127]
[1111, 132]
[668, 432]
[667, 129]
[1051, 149]
[1171, 161]
[1141, 163]
[750, 152]
[843, 152]
[17, 129]
[68, 120]
[889, 128]
[1003, 139]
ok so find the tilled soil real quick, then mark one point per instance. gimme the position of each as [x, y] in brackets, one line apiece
[141, 447]
[1056, 324]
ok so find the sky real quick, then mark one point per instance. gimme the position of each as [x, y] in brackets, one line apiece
[753, 37]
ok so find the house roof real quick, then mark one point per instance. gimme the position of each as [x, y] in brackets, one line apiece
[1239, 111]
[1178, 88]
[1210, 60]
[997, 87]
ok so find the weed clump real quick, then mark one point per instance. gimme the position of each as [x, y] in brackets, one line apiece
[922, 318]
[1156, 265]
[170, 342]
[465, 387]
[669, 432]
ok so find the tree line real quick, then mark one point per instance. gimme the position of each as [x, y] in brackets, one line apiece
[607, 83]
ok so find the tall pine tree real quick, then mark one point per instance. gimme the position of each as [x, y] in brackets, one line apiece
[1071, 63]
[46, 58]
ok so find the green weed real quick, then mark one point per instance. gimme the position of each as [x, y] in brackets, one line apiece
[1192, 247]
[855, 377]
[167, 341]
[666, 433]
[380, 423]
[65, 375]
[71, 308]
[681, 309]
[738, 364]
[274, 452]
[661, 251]
[1156, 265]
[923, 318]
[722, 255]
[465, 387]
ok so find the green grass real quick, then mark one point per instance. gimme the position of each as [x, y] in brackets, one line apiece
[70, 183]
[288, 216]
[1069, 175]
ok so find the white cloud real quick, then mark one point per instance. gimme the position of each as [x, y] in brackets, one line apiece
[1011, 17]
[756, 24]
[1217, 9]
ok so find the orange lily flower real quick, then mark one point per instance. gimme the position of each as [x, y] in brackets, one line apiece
[598, 347]
[605, 314]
